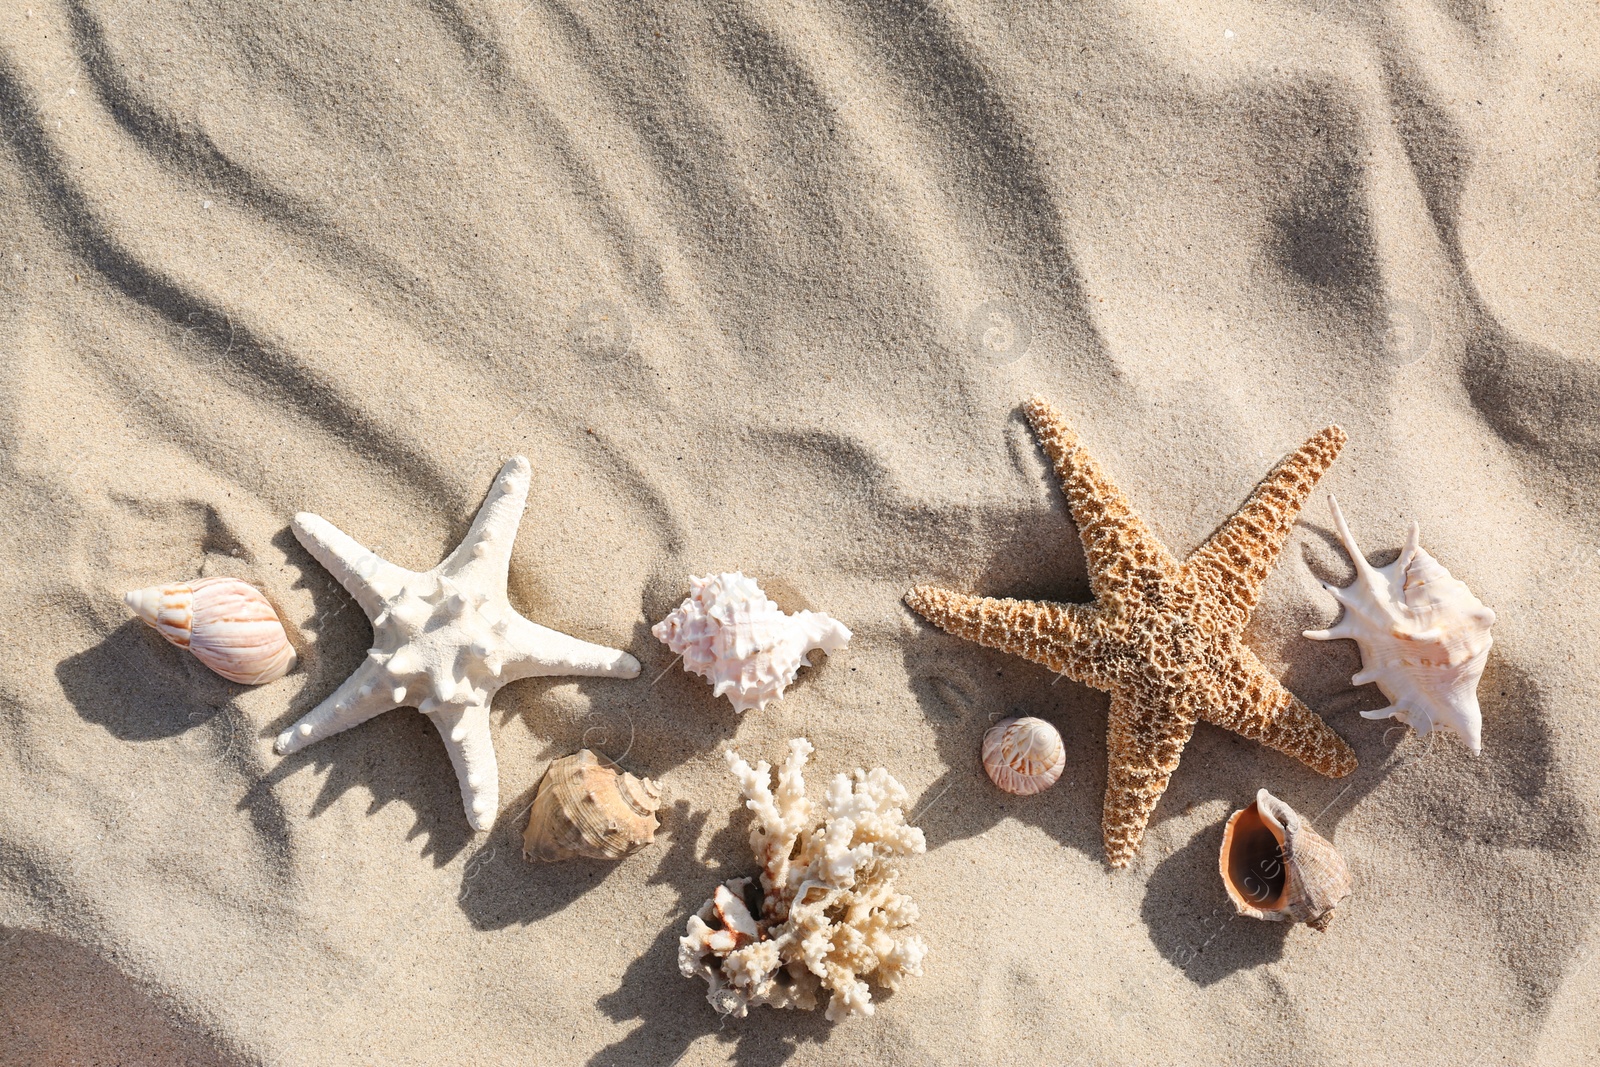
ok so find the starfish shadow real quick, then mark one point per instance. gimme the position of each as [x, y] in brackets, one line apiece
[672, 1009]
[397, 756]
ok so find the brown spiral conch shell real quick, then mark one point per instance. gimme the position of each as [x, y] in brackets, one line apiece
[586, 807]
[229, 626]
[1023, 755]
[1276, 867]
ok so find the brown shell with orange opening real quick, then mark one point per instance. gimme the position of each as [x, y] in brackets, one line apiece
[1276, 867]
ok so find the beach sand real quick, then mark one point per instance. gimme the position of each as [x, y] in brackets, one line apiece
[762, 286]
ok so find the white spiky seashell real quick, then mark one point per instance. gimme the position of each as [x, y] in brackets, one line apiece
[1023, 755]
[1423, 636]
[1276, 867]
[741, 642]
[228, 625]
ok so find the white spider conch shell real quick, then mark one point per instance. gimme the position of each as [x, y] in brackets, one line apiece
[587, 808]
[1023, 755]
[1276, 867]
[226, 623]
[1423, 636]
[741, 642]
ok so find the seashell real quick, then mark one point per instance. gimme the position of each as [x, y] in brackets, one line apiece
[741, 642]
[736, 925]
[1276, 867]
[228, 624]
[587, 808]
[1423, 636]
[1023, 755]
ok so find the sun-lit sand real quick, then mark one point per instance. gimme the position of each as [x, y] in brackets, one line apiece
[762, 287]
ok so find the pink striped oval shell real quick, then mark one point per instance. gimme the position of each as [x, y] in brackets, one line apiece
[1023, 755]
[228, 625]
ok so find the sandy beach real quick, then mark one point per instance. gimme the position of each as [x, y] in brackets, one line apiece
[763, 287]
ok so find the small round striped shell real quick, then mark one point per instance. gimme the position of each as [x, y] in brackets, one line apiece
[228, 625]
[1023, 755]
[587, 808]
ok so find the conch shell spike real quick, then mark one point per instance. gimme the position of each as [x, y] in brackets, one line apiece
[1348, 539]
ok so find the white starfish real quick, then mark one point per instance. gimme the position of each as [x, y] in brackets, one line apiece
[444, 641]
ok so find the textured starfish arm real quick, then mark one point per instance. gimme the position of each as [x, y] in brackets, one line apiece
[485, 553]
[1117, 545]
[1059, 636]
[1251, 702]
[1230, 568]
[465, 729]
[364, 694]
[538, 651]
[364, 574]
[1143, 744]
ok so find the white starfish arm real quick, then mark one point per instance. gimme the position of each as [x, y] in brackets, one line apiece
[366, 693]
[537, 652]
[484, 555]
[465, 729]
[364, 574]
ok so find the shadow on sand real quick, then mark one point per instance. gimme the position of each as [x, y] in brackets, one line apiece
[674, 1014]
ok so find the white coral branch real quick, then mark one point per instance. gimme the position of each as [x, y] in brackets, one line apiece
[830, 916]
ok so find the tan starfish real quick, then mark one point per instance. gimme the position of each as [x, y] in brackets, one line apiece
[1163, 638]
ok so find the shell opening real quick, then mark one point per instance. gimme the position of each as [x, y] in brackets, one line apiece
[1255, 861]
